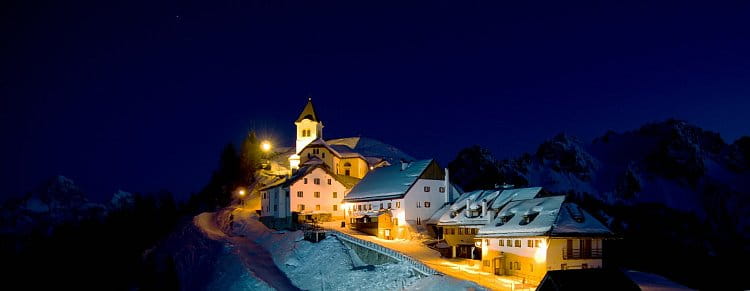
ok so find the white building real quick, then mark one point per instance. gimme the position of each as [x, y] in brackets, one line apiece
[529, 237]
[320, 173]
[460, 223]
[390, 199]
[313, 191]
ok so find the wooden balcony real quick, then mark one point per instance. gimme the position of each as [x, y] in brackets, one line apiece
[575, 254]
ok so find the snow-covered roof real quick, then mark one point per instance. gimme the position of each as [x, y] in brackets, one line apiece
[495, 199]
[368, 213]
[543, 216]
[389, 182]
[369, 147]
[573, 220]
[509, 195]
[308, 168]
[439, 213]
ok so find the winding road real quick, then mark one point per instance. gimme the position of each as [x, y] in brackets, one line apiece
[254, 257]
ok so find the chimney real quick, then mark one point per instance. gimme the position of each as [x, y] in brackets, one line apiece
[467, 212]
[447, 186]
[484, 207]
[404, 164]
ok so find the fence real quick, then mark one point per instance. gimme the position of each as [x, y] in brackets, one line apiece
[414, 263]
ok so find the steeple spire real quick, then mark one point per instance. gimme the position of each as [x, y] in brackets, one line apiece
[308, 112]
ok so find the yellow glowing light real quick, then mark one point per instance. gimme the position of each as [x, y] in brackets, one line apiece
[541, 253]
[265, 146]
[242, 192]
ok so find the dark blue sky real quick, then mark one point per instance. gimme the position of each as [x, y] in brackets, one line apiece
[142, 95]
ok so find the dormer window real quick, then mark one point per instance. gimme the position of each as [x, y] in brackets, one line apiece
[504, 219]
[528, 218]
[575, 212]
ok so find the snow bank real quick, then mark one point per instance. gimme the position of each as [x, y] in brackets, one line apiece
[329, 264]
[653, 282]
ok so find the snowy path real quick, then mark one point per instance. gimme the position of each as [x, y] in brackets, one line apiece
[462, 269]
[253, 256]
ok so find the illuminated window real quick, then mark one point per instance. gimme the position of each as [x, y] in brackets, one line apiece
[389, 205]
[427, 188]
[518, 243]
[509, 243]
[441, 189]
[500, 242]
[536, 243]
[316, 181]
[304, 180]
[398, 204]
[316, 194]
[335, 195]
[317, 207]
[329, 182]
[530, 243]
[335, 208]
[299, 194]
[301, 207]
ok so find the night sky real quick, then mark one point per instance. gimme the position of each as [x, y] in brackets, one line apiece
[142, 95]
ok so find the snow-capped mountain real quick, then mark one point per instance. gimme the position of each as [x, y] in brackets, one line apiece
[668, 183]
[671, 163]
[56, 201]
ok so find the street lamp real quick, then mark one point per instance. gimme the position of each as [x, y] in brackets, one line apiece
[265, 146]
[241, 192]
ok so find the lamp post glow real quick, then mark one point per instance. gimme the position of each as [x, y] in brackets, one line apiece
[241, 192]
[265, 146]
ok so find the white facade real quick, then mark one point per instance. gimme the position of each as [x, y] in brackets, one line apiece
[307, 132]
[275, 202]
[319, 192]
[418, 204]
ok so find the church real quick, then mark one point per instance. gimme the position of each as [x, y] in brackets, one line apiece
[313, 177]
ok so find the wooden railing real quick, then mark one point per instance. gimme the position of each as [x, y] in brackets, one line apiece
[572, 254]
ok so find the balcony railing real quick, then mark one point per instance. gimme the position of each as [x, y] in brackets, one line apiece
[572, 254]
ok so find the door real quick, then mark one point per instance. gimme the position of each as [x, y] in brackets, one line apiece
[498, 264]
[387, 234]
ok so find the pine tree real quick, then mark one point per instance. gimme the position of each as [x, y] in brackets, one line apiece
[250, 157]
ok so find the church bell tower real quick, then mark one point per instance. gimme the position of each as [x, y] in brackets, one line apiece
[309, 128]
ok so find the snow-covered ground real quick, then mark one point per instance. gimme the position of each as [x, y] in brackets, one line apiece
[653, 282]
[327, 265]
